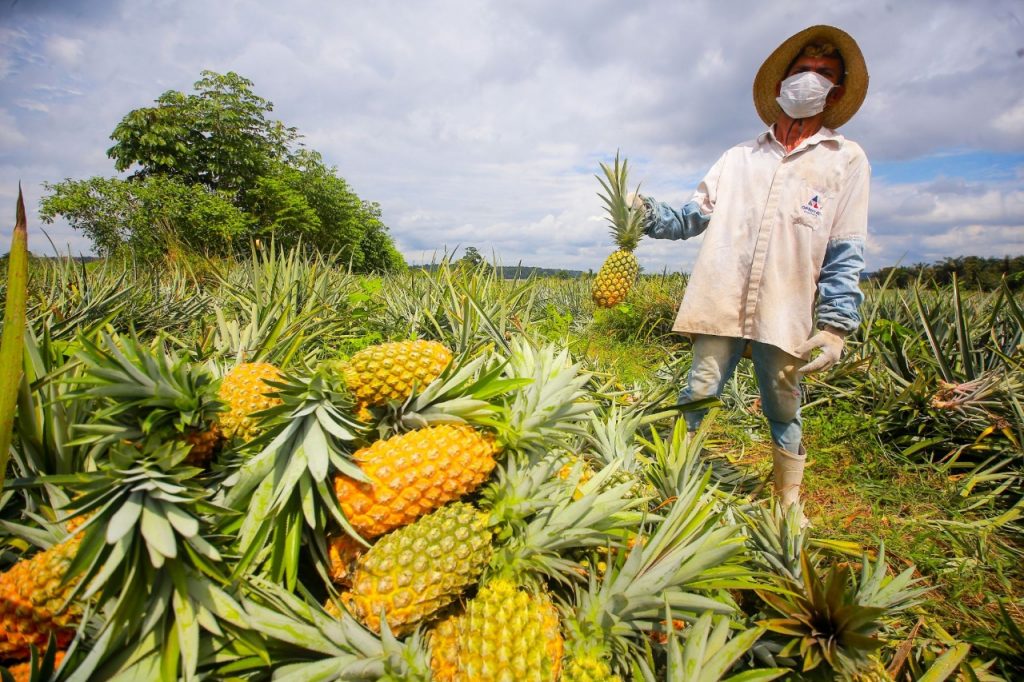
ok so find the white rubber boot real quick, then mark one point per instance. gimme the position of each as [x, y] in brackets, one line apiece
[788, 471]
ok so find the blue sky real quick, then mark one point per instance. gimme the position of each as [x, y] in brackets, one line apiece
[481, 124]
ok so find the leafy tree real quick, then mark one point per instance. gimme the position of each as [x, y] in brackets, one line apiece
[219, 137]
[379, 252]
[219, 142]
[471, 257]
[149, 216]
[971, 272]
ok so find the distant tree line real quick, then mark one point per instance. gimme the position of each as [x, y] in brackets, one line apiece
[971, 271]
[210, 174]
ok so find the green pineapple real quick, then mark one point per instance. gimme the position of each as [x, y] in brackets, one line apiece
[619, 271]
[412, 573]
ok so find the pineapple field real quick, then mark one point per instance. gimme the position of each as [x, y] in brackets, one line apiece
[271, 468]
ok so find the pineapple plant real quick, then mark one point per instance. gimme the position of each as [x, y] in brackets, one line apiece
[619, 271]
[829, 621]
[417, 570]
[245, 391]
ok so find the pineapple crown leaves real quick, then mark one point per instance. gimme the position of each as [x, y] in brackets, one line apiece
[613, 436]
[627, 222]
[542, 413]
[709, 651]
[824, 621]
[518, 492]
[140, 500]
[146, 390]
[877, 588]
[288, 482]
[676, 460]
[540, 543]
[147, 547]
[463, 392]
[310, 424]
[690, 551]
[333, 646]
[777, 539]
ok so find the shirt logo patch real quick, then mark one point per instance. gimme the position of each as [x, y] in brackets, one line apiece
[812, 207]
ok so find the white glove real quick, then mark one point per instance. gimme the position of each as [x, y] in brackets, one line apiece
[830, 341]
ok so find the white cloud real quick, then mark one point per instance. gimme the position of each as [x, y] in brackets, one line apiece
[482, 124]
[65, 51]
[1011, 121]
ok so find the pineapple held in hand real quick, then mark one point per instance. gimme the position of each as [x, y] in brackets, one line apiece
[620, 270]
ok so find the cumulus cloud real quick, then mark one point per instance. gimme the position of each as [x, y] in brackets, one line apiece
[482, 124]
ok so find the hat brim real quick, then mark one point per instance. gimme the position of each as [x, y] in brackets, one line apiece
[773, 71]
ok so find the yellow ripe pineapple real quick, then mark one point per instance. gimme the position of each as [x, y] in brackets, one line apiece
[245, 392]
[444, 649]
[506, 633]
[33, 600]
[414, 473]
[412, 573]
[616, 276]
[510, 630]
[389, 371]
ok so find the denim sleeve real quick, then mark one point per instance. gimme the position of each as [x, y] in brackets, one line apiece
[665, 222]
[839, 295]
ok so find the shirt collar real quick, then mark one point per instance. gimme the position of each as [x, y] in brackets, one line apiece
[823, 135]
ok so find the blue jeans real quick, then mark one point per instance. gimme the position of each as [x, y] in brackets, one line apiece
[715, 359]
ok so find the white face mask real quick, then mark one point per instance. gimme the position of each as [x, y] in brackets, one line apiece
[804, 94]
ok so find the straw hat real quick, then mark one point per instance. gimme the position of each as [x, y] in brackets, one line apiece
[774, 70]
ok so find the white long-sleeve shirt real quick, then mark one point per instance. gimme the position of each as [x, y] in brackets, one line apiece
[786, 230]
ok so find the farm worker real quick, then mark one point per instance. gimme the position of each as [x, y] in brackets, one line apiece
[784, 218]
